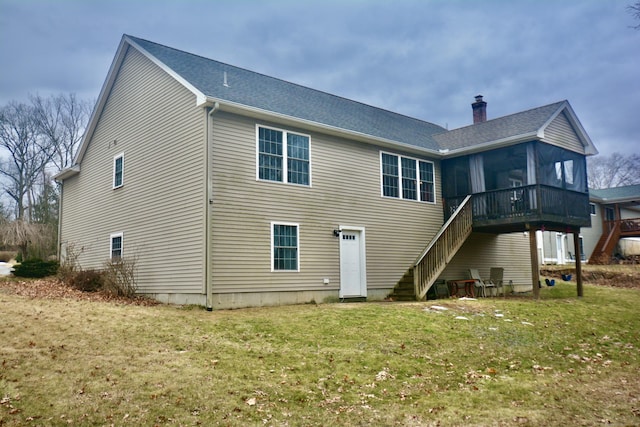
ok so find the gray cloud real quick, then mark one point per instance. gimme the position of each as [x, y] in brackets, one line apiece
[425, 59]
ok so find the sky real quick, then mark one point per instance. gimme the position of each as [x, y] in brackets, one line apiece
[423, 58]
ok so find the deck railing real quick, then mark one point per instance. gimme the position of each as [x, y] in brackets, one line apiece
[525, 203]
[630, 226]
[442, 248]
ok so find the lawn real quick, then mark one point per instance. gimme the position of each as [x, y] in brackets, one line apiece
[556, 361]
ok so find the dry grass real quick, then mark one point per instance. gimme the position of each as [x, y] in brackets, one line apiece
[557, 361]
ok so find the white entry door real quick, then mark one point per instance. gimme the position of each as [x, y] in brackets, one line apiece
[353, 273]
[559, 248]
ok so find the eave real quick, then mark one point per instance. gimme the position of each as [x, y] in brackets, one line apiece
[67, 173]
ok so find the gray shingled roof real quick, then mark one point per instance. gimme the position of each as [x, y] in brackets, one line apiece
[615, 194]
[518, 124]
[256, 90]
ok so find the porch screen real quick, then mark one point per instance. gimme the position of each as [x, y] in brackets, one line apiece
[562, 168]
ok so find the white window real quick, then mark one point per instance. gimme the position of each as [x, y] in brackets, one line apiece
[118, 170]
[592, 208]
[407, 178]
[285, 249]
[116, 246]
[283, 156]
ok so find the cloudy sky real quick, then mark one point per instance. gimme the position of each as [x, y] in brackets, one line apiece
[423, 58]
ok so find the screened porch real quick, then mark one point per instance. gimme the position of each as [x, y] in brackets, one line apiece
[516, 188]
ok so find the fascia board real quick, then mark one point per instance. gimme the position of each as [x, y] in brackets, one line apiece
[200, 97]
[67, 173]
[125, 43]
[102, 99]
[233, 107]
[492, 145]
[589, 148]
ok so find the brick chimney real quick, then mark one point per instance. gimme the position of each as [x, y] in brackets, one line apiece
[479, 110]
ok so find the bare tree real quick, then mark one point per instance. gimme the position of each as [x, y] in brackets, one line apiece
[29, 154]
[62, 120]
[35, 240]
[634, 10]
[614, 171]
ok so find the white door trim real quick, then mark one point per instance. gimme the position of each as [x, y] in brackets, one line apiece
[363, 262]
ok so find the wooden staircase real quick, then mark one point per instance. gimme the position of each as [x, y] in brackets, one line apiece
[404, 289]
[434, 259]
[603, 251]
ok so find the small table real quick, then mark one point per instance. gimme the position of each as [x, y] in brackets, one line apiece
[469, 288]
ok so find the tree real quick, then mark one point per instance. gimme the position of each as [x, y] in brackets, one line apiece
[634, 10]
[62, 120]
[29, 153]
[37, 137]
[614, 171]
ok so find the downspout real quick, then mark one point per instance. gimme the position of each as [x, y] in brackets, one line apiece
[209, 203]
[59, 243]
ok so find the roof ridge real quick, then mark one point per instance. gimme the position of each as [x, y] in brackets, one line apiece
[134, 38]
[508, 115]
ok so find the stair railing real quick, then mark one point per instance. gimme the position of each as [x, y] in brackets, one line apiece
[442, 248]
[606, 244]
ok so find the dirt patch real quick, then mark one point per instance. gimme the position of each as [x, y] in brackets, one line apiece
[55, 289]
[619, 276]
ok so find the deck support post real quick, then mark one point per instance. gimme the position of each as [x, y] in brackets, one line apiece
[535, 268]
[576, 250]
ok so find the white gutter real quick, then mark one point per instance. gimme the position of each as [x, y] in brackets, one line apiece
[333, 130]
[67, 173]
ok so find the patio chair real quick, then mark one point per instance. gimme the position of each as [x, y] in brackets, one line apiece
[481, 284]
[496, 275]
[441, 288]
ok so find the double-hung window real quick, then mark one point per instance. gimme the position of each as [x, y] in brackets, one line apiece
[407, 178]
[285, 254]
[283, 156]
[118, 170]
[116, 246]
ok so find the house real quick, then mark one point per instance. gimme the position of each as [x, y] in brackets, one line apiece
[232, 189]
[615, 215]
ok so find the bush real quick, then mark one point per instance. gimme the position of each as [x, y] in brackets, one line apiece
[35, 268]
[120, 277]
[6, 256]
[69, 265]
[86, 280]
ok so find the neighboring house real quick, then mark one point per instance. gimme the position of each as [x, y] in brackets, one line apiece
[615, 215]
[234, 189]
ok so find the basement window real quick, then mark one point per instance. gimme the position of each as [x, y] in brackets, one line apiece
[284, 247]
[116, 246]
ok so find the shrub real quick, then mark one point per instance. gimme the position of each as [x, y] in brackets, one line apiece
[70, 266]
[86, 280]
[120, 277]
[35, 268]
[6, 256]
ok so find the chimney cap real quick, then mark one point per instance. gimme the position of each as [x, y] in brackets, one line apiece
[478, 98]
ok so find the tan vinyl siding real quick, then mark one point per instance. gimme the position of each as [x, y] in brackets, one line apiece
[561, 133]
[483, 251]
[592, 234]
[345, 191]
[160, 209]
[629, 213]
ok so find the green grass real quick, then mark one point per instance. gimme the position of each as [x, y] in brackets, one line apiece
[556, 361]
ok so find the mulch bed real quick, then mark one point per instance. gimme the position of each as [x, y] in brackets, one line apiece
[616, 279]
[55, 289]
